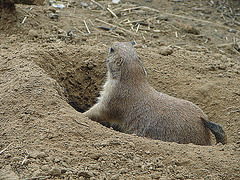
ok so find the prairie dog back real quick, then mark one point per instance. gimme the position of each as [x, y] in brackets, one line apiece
[130, 103]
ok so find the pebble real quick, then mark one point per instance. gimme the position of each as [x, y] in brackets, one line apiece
[83, 4]
[41, 155]
[32, 33]
[45, 167]
[189, 28]
[85, 174]
[232, 30]
[53, 16]
[64, 164]
[95, 156]
[116, 1]
[165, 51]
[55, 171]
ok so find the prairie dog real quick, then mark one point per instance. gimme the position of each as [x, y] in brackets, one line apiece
[129, 102]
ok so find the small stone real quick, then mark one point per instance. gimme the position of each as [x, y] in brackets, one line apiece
[55, 171]
[85, 174]
[147, 152]
[190, 29]
[162, 18]
[61, 31]
[116, 1]
[232, 30]
[156, 176]
[41, 155]
[95, 156]
[94, 166]
[165, 51]
[83, 4]
[64, 164]
[53, 16]
[37, 154]
[45, 167]
[32, 33]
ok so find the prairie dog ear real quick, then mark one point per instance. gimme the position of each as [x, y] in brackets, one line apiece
[139, 60]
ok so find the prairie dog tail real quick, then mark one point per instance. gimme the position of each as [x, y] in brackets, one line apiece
[217, 130]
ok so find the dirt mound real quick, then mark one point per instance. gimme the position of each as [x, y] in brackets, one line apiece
[51, 70]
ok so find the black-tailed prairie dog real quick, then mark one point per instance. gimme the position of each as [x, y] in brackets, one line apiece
[130, 103]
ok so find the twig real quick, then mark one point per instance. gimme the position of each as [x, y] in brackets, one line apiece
[5, 148]
[79, 31]
[99, 20]
[91, 23]
[24, 19]
[133, 8]
[97, 4]
[130, 32]
[86, 27]
[112, 13]
[81, 123]
[137, 27]
[25, 157]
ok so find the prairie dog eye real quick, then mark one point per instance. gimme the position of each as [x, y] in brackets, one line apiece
[111, 49]
[119, 61]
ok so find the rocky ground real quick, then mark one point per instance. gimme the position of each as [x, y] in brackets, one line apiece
[52, 67]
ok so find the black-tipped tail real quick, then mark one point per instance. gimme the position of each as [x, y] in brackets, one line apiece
[217, 130]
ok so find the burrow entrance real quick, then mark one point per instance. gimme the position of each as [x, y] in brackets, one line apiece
[80, 70]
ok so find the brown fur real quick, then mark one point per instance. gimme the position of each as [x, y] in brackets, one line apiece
[128, 101]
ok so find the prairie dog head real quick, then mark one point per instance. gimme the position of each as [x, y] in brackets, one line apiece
[123, 63]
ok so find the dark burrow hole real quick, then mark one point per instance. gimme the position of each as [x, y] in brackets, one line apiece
[82, 87]
[81, 76]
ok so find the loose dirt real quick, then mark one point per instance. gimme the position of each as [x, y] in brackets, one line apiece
[52, 69]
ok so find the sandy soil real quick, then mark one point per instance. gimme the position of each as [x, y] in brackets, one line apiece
[52, 69]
